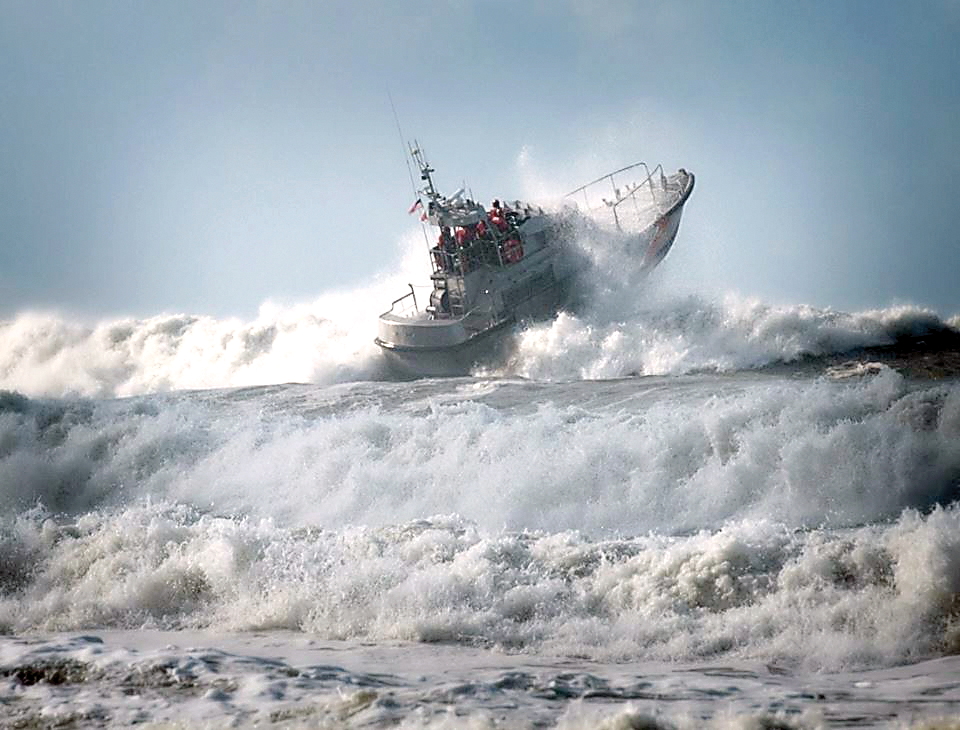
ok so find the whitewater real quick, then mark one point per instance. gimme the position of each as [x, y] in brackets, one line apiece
[663, 510]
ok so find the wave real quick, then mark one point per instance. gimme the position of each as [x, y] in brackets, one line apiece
[324, 341]
[673, 336]
[623, 320]
[620, 322]
[864, 597]
[331, 341]
[44, 354]
[810, 521]
[663, 455]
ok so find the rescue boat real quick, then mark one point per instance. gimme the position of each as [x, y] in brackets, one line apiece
[494, 268]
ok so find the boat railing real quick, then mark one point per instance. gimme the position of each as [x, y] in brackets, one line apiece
[628, 207]
[408, 304]
[496, 249]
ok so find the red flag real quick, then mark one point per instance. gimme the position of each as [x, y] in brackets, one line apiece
[424, 216]
[418, 204]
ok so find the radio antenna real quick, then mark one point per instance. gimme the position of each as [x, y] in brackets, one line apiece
[406, 158]
[403, 143]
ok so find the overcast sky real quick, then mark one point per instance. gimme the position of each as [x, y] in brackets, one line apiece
[203, 157]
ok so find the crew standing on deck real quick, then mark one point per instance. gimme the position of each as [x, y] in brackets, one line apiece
[444, 250]
[498, 217]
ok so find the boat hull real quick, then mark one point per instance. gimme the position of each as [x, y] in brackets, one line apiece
[452, 346]
[485, 348]
[664, 232]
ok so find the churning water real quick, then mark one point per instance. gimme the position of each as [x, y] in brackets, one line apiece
[672, 512]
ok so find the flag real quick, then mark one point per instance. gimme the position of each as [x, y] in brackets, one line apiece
[424, 216]
[417, 204]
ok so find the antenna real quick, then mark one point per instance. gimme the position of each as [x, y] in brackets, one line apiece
[403, 144]
[413, 185]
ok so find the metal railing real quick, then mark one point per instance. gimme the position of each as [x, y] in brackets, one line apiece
[487, 250]
[406, 309]
[621, 195]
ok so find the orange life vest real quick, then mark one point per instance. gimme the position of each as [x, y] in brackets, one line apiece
[512, 250]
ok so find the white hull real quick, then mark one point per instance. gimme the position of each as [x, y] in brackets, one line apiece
[459, 359]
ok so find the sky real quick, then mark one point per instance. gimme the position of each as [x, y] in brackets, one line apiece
[204, 158]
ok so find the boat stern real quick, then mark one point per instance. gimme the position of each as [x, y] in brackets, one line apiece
[398, 332]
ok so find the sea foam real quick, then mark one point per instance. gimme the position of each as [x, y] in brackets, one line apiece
[619, 322]
[331, 341]
[752, 589]
[634, 456]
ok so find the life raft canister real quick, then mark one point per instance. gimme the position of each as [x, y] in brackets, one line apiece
[512, 250]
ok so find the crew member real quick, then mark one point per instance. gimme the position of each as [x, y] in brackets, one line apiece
[446, 241]
[464, 235]
[443, 251]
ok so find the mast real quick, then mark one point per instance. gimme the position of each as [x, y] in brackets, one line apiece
[426, 172]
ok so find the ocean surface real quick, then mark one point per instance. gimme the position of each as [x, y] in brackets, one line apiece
[665, 510]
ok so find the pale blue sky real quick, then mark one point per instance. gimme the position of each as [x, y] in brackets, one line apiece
[204, 157]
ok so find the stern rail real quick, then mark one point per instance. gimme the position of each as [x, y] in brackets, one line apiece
[408, 308]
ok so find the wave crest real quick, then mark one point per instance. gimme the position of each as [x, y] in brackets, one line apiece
[673, 336]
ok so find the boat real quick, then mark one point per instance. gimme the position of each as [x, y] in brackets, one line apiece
[493, 268]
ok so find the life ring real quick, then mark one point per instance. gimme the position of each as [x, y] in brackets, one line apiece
[512, 250]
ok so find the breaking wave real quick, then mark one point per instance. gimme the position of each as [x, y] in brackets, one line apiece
[665, 336]
[45, 354]
[864, 597]
[670, 455]
[620, 323]
[331, 341]
[807, 520]
[327, 340]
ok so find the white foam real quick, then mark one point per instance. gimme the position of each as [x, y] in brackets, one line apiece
[621, 322]
[622, 459]
[866, 597]
[327, 340]
[659, 334]
[660, 519]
